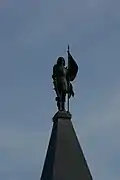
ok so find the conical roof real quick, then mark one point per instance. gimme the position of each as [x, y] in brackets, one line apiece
[64, 159]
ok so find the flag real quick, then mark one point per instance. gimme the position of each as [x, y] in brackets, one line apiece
[72, 67]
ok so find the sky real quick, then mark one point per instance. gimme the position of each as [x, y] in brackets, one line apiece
[33, 34]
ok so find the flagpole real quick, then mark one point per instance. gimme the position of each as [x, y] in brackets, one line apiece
[68, 83]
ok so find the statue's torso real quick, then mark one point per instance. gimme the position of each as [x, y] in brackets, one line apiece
[61, 77]
[61, 72]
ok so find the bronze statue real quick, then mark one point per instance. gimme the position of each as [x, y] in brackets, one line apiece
[61, 80]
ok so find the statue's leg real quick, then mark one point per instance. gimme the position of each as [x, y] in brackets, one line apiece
[58, 102]
[58, 97]
[61, 98]
[63, 102]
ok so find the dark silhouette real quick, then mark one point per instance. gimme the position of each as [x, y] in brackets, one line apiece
[61, 79]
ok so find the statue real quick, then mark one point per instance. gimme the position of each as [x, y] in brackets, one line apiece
[61, 80]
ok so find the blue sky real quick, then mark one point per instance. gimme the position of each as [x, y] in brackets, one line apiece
[32, 35]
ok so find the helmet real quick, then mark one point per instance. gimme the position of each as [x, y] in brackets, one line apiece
[60, 61]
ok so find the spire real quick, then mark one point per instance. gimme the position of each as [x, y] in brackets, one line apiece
[64, 159]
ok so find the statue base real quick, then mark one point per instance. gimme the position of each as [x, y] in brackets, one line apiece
[62, 115]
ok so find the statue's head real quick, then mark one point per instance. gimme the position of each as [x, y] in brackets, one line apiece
[61, 61]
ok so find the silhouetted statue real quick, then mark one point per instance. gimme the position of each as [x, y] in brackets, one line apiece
[61, 79]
